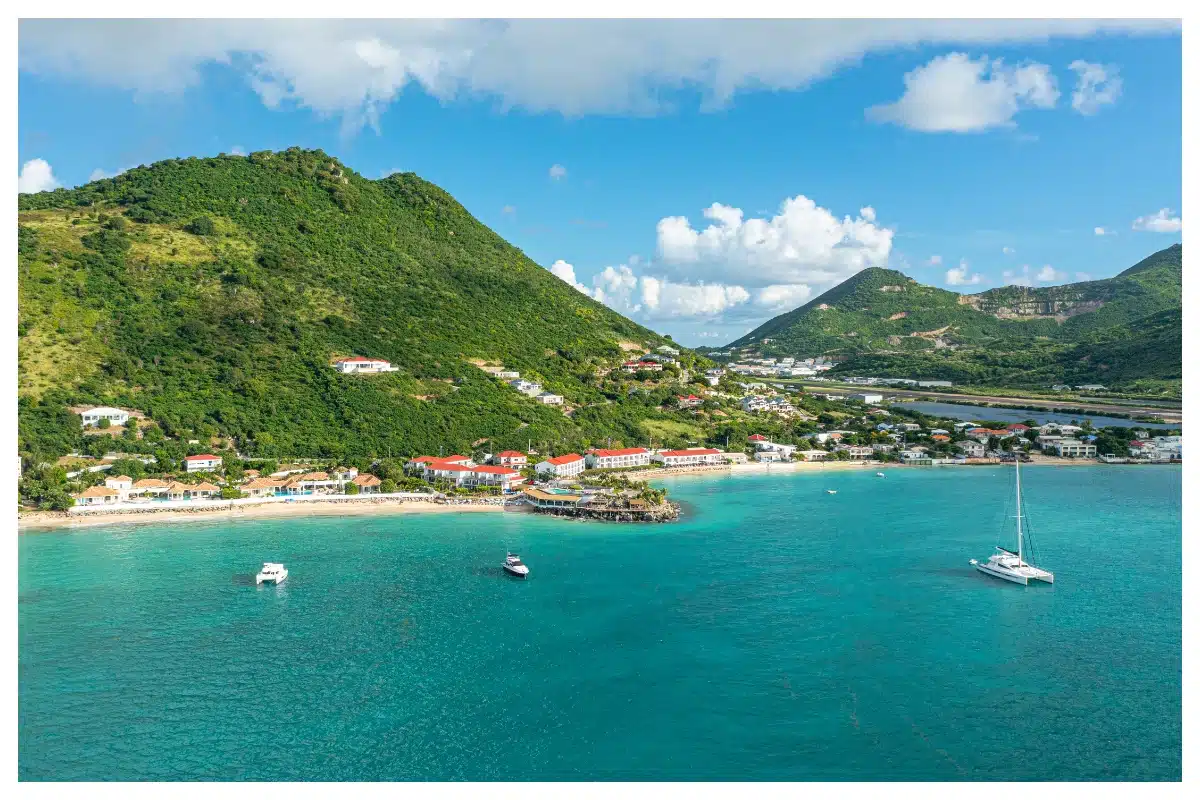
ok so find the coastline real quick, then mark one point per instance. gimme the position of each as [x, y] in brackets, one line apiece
[340, 507]
[366, 506]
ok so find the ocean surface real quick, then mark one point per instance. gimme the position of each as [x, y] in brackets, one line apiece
[776, 633]
[969, 413]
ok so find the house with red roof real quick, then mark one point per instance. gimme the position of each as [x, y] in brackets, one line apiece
[491, 475]
[983, 434]
[756, 437]
[617, 459]
[691, 401]
[567, 466]
[511, 458]
[363, 365]
[203, 463]
[1018, 428]
[688, 458]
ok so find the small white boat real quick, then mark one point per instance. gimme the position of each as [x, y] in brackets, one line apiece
[513, 566]
[831, 491]
[1009, 566]
[271, 573]
[878, 474]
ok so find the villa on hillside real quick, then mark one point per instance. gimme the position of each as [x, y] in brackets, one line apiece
[364, 365]
[96, 496]
[567, 466]
[549, 399]
[203, 463]
[616, 459]
[367, 483]
[510, 458]
[811, 455]
[528, 388]
[637, 366]
[971, 449]
[92, 416]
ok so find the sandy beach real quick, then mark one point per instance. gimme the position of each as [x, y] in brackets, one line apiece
[35, 520]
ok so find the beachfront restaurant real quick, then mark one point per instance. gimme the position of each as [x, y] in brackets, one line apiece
[540, 498]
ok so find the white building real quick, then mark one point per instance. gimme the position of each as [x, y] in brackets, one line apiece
[526, 387]
[671, 351]
[508, 375]
[97, 496]
[767, 456]
[203, 463]
[122, 484]
[567, 466]
[934, 383]
[548, 399]
[364, 365]
[618, 459]
[812, 455]
[857, 451]
[688, 458]
[1073, 448]
[510, 458]
[971, 449]
[92, 416]
[866, 398]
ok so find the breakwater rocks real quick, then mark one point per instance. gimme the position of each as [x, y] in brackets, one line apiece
[665, 512]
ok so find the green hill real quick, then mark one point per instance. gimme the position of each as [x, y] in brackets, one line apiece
[1124, 330]
[213, 294]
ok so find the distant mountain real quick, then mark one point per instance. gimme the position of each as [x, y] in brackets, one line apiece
[213, 294]
[1125, 330]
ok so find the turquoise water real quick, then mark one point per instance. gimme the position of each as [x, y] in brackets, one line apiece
[971, 413]
[776, 633]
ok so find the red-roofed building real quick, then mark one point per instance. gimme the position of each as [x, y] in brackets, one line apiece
[566, 466]
[635, 366]
[940, 437]
[617, 459]
[511, 458]
[491, 475]
[983, 434]
[1017, 427]
[757, 437]
[688, 458]
[458, 474]
[203, 463]
[691, 401]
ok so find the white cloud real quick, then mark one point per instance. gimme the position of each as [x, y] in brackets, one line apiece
[802, 244]
[958, 276]
[558, 172]
[36, 176]
[356, 68]
[566, 272]
[237, 150]
[935, 261]
[1096, 86]
[782, 297]
[1049, 274]
[1161, 222]
[958, 94]
[1022, 278]
[508, 210]
[662, 298]
[1082, 276]
[1099, 231]
[1008, 251]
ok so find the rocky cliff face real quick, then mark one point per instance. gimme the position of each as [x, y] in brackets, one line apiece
[1023, 303]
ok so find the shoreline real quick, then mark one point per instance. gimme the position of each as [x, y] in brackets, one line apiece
[33, 521]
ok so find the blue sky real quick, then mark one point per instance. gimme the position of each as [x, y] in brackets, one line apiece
[967, 154]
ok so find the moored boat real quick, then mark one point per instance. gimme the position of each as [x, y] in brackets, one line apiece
[513, 566]
[271, 573]
[1013, 566]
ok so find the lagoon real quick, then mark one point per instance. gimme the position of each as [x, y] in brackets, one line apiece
[776, 633]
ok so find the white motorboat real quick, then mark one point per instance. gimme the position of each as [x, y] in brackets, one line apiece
[513, 566]
[831, 491]
[1010, 566]
[878, 474]
[271, 573]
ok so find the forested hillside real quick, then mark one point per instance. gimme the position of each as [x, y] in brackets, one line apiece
[213, 294]
[1125, 330]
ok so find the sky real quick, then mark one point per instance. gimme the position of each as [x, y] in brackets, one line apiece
[697, 176]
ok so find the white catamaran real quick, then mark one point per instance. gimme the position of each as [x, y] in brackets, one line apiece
[1010, 566]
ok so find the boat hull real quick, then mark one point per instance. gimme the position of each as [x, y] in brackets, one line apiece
[261, 579]
[516, 573]
[1004, 576]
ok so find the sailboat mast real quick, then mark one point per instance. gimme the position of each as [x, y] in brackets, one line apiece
[1020, 549]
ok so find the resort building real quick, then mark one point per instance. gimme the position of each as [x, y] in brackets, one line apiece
[671, 351]
[812, 455]
[688, 458]
[916, 457]
[441, 472]
[491, 475]
[97, 496]
[122, 484]
[203, 463]
[543, 499]
[857, 451]
[511, 458]
[261, 487]
[971, 449]
[191, 491]
[767, 456]
[364, 365]
[149, 488]
[1073, 448]
[567, 466]
[367, 483]
[92, 416]
[549, 399]
[983, 434]
[637, 366]
[618, 459]
[763, 445]
[735, 458]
